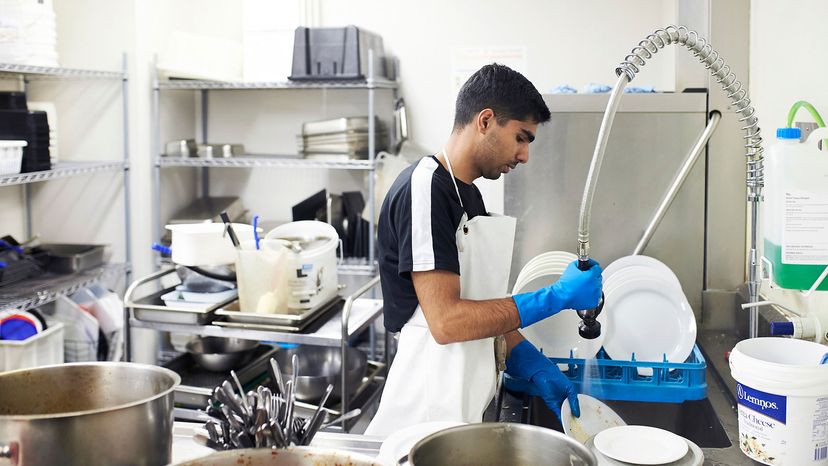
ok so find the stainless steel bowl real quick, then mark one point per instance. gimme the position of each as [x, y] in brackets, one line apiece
[102, 413]
[490, 444]
[320, 366]
[221, 354]
[294, 456]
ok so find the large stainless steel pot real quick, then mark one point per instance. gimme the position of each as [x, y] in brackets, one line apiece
[295, 456]
[103, 413]
[499, 444]
[320, 366]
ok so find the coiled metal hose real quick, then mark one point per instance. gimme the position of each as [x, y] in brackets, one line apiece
[720, 70]
[740, 102]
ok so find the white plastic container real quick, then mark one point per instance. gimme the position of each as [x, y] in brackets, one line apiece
[11, 156]
[205, 244]
[43, 349]
[796, 210]
[263, 276]
[315, 278]
[782, 393]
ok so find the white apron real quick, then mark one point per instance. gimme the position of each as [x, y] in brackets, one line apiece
[454, 382]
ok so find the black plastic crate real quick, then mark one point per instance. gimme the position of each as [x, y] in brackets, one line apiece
[12, 100]
[338, 53]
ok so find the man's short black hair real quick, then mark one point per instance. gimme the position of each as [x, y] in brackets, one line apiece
[508, 93]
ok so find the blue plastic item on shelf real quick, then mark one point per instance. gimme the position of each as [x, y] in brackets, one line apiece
[609, 379]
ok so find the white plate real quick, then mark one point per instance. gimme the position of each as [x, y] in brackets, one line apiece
[694, 457]
[399, 443]
[561, 256]
[645, 261]
[648, 317]
[641, 445]
[638, 271]
[595, 418]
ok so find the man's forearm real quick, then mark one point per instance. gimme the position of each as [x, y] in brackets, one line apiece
[467, 320]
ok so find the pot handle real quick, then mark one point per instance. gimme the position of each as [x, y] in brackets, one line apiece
[11, 452]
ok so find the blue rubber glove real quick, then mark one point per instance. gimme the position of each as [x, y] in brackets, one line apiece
[576, 289]
[533, 373]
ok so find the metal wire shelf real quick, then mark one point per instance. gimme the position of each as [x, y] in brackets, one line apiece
[11, 69]
[35, 292]
[219, 85]
[264, 161]
[61, 170]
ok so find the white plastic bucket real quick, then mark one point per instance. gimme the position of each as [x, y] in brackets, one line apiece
[315, 281]
[205, 244]
[263, 276]
[782, 393]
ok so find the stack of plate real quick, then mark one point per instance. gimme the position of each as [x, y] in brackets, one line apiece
[340, 138]
[647, 313]
[558, 335]
[626, 445]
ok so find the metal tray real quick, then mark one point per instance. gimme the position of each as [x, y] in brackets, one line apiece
[277, 322]
[345, 136]
[337, 125]
[152, 309]
[73, 258]
[295, 317]
[210, 151]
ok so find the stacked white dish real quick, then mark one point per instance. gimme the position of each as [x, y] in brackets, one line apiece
[625, 445]
[647, 313]
[558, 335]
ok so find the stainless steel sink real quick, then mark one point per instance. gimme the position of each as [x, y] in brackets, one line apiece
[693, 420]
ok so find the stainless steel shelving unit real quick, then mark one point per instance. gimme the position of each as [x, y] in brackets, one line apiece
[335, 332]
[33, 293]
[357, 315]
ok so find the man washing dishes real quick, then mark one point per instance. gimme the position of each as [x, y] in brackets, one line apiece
[445, 262]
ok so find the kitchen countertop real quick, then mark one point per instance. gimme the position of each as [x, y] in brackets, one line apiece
[513, 409]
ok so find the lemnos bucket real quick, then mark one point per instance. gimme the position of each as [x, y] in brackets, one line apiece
[782, 395]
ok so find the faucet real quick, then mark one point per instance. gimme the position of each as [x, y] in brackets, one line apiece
[740, 101]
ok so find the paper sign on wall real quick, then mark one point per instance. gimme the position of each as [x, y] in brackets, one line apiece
[467, 60]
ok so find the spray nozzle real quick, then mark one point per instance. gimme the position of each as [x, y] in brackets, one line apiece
[589, 327]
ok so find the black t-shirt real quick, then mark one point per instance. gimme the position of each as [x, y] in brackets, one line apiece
[416, 232]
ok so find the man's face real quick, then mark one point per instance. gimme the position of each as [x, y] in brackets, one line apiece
[503, 147]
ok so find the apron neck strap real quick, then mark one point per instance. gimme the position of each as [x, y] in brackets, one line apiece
[453, 181]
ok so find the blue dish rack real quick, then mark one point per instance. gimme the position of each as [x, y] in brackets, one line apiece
[610, 379]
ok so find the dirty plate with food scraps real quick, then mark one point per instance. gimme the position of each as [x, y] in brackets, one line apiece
[595, 417]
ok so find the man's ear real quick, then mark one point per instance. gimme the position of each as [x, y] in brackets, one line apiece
[485, 120]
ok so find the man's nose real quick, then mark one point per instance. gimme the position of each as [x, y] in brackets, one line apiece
[523, 155]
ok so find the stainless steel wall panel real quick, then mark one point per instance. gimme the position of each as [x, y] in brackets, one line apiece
[646, 147]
